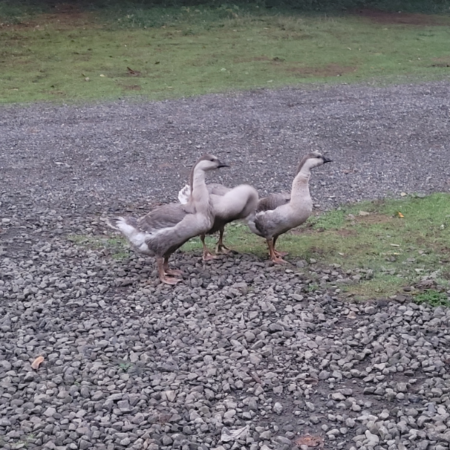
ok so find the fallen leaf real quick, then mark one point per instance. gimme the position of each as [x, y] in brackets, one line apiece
[364, 213]
[310, 441]
[133, 73]
[394, 245]
[103, 76]
[37, 362]
[399, 214]
[403, 194]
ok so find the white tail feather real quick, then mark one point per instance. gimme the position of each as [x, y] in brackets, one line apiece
[184, 195]
[136, 237]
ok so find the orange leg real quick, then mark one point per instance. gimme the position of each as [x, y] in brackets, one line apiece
[220, 247]
[169, 271]
[273, 256]
[207, 255]
[281, 254]
[163, 276]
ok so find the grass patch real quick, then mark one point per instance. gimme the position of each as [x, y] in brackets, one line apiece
[117, 247]
[389, 244]
[433, 298]
[382, 246]
[73, 54]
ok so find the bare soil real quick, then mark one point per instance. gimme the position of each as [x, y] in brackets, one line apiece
[401, 18]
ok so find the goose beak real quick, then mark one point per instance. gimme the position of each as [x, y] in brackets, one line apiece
[221, 164]
[325, 159]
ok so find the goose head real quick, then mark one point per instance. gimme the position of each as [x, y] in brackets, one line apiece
[209, 162]
[313, 159]
[205, 164]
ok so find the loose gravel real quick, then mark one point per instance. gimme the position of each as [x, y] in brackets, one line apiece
[244, 354]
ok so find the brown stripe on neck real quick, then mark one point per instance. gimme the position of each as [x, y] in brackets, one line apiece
[301, 164]
[304, 159]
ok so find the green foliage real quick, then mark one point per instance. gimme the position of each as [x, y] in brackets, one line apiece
[15, 12]
[125, 366]
[116, 246]
[386, 250]
[433, 298]
[182, 51]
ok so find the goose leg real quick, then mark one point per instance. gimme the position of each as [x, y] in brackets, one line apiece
[207, 255]
[162, 274]
[280, 254]
[273, 256]
[220, 247]
[169, 271]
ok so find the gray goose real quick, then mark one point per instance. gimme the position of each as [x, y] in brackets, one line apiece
[278, 213]
[166, 228]
[228, 204]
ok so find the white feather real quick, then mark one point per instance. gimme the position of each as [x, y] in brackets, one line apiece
[136, 237]
[184, 195]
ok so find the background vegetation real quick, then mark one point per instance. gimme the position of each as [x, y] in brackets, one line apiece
[110, 49]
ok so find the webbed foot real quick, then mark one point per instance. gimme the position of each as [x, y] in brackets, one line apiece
[167, 279]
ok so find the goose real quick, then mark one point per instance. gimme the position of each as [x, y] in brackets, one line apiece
[228, 205]
[166, 228]
[278, 213]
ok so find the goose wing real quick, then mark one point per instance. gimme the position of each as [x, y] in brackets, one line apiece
[217, 189]
[273, 201]
[164, 217]
[213, 188]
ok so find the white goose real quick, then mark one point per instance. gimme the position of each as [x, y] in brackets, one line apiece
[166, 228]
[228, 205]
[279, 213]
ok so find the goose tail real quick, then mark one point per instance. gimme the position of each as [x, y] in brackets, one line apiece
[126, 225]
[184, 195]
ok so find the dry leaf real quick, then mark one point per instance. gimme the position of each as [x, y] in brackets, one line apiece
[364, 213]
[394, 245]
[133, 73]
[37, 362]
[403, 194]
[399, 214]
[310, 441]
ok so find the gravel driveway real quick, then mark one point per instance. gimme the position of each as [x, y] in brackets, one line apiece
[243, 355]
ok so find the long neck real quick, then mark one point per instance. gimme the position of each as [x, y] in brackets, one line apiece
[300, 185]
[199, 191]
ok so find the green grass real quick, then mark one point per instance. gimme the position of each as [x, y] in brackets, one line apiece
[183, 51]
[372, 239]
[433, 297]
[387, 244]
[117, 247]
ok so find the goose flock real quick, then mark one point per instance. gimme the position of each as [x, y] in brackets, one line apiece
[206, 208]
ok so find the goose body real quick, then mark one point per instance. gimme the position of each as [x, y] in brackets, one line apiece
[279, 213]
[166, 228]
[228, 205]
